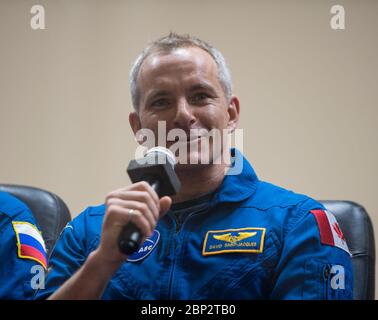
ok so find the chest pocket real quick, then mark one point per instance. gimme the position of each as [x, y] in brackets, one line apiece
[243, 275]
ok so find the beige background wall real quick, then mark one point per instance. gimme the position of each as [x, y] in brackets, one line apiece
[308, 93]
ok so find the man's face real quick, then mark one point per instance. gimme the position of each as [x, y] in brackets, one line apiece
[182, 89]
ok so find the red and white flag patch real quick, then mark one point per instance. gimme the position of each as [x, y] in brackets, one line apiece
[330, 232]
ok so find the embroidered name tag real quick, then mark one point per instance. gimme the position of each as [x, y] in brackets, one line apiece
[234, 240]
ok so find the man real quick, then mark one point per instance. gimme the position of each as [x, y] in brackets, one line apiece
[22, 250]
[223, 236]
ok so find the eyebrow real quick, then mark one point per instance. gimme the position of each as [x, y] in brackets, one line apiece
[163, 93]
[202, 86]
[156, 94]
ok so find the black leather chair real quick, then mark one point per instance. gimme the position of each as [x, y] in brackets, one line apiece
[356, 225]
[49, 210]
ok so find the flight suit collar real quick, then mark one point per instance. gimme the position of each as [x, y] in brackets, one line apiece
[239, 183]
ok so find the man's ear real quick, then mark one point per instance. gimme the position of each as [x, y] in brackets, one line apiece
[134, 122]
[233, 113]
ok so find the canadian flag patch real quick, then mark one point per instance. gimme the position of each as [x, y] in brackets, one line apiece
[329, 229]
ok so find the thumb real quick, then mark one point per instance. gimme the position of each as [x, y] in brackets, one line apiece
[165, 204]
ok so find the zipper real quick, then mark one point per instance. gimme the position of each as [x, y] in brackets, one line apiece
[178, 227]
[326, 275]
[178, 223]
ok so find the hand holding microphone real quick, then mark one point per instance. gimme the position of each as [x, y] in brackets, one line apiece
[157, 169]
[132, 212]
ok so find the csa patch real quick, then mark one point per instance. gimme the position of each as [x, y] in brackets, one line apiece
[329, 230]
[146, 248]
[30, 244]
[234, 240]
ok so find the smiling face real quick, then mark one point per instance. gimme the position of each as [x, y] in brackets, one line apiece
[182, 88]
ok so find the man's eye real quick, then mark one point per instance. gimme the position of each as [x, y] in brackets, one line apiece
[160, 103]
[199, 97]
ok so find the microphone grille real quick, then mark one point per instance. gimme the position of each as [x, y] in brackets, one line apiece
[162, 151]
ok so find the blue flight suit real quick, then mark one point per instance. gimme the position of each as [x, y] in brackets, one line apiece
[250, 240]
[21, 249]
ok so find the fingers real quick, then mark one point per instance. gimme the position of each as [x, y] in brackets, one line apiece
[144, 186]
[165, 204]
[139, 186]
[140, 209]
[122, 217]
[140, 197]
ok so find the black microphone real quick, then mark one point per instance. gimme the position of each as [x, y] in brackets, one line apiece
[157, 169]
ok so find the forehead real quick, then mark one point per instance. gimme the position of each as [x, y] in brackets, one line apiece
[178, 66]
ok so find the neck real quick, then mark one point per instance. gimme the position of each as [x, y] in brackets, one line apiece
[198, 180]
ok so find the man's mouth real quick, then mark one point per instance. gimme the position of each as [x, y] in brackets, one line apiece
[188, 139]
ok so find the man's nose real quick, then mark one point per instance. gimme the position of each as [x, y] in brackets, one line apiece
[184, 117]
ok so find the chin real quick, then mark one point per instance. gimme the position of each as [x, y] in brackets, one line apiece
[190, 167]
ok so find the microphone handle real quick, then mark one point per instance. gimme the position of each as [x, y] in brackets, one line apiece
[130, 238]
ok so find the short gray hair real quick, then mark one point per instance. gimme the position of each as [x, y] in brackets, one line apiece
[170, 43]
